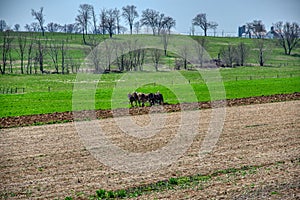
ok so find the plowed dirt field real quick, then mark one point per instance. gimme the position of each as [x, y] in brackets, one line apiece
[51, 161]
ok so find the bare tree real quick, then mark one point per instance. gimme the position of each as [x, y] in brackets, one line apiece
[156, 56]
[53, 27]
[63, 28]
[178, 63]
[130, 14]
[11, 59]
[71, 62]
[110, 22]
[39, 16]
[54, 52]
[70, 28]
[82, 19]
[120, 51]
[94, 19]
[30, 55]
[200, 47]
[6, 50]
[201, 21]
[16, 27]
[150, 18]
[169, 23]
[108, 54]
[63, 51]
[128, 62]
[249, 29]
[22, 41]
[263, 51]
[95, 55]
[192, 30]
[3, 25]
[141, 53]
[160, 23]
[119, 54]
[103, 20]
[27, 27]
[242, 53]
[35, 62]
[117, 19]
[138, 59]
[257, 28]
[35, 27]
[40, 53]
[289, 35]
[165, 40]
[184, 53]
[214, 26]
[138, 55]
[137, 27]
[228, 55]
[80, 22]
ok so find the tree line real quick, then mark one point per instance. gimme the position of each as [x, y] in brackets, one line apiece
[86, 21]
[28, 53]
[34, 53]
[33, 50]
[237, 55]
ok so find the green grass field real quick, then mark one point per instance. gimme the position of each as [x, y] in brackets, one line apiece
[54, 93]
[41, 93]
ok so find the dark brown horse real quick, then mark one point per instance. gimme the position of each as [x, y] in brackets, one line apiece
[143, 98]
[158, 97]
[133, 98]
[151, 99]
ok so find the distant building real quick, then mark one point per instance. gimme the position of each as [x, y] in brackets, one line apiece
[272, 34]
[242, 31]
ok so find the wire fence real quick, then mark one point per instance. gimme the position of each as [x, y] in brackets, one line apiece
[68, 86]
[12, 90]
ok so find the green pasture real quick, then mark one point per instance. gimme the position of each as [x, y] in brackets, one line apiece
[59, 93]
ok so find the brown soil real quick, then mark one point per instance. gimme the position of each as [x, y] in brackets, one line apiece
[50, 118]
[50, 161]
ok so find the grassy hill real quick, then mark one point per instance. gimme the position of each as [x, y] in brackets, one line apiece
[77, 52]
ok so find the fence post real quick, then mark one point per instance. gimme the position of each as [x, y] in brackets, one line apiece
[23, 90]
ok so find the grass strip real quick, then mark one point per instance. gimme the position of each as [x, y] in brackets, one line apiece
[176, 182]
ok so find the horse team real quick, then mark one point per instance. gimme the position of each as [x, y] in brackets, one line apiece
[139, 99]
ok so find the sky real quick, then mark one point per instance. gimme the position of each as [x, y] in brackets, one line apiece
[229, 14]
